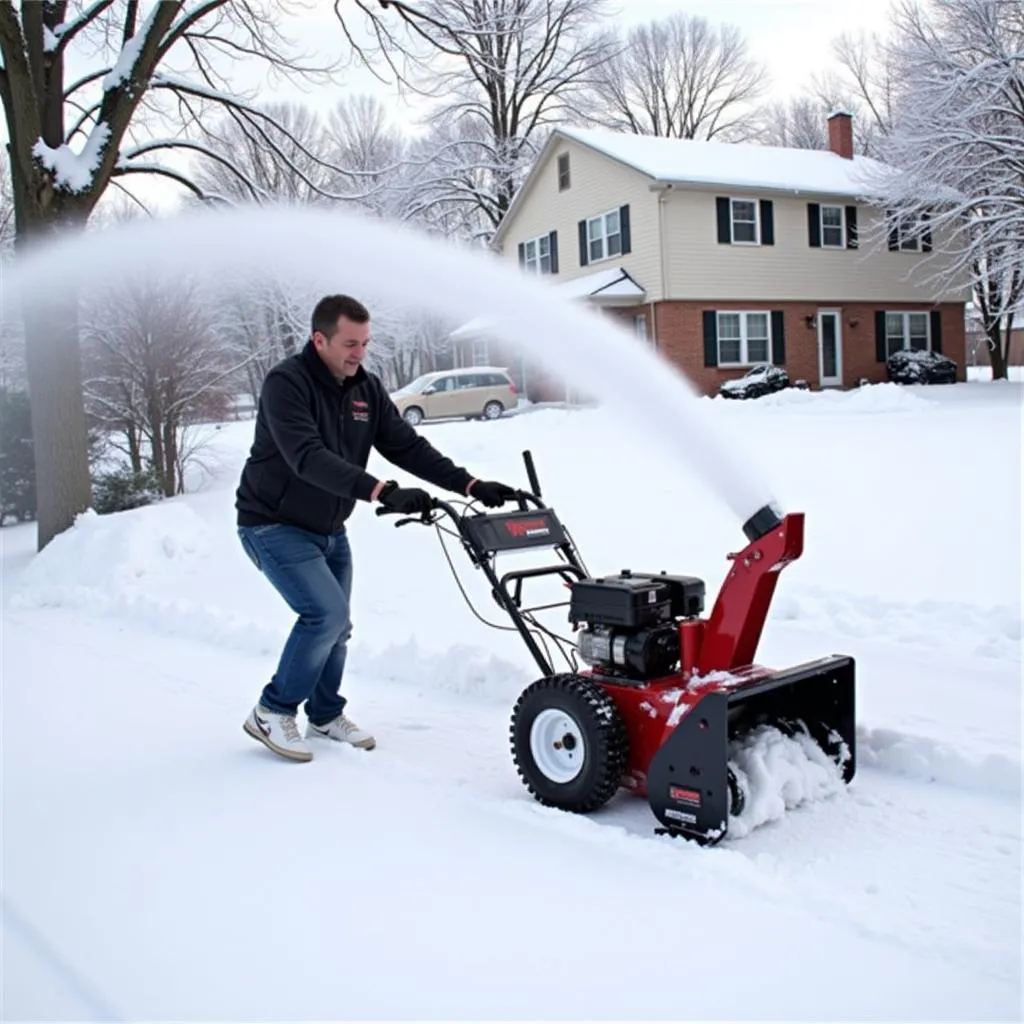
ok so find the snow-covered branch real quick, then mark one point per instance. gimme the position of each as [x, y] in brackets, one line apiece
[958, 140]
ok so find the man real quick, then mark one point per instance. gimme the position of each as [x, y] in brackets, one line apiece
[320, 412]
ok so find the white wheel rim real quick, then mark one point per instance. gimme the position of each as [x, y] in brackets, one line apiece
[492, 412]
[557, 745]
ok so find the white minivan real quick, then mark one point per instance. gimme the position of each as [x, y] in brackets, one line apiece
[474, 392]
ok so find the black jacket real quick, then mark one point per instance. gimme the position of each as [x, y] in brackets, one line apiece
[307, 464]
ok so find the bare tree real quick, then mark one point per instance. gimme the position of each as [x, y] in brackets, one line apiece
[503, 71]
[679, 77]
[72, 137]
[871, 70]
[156, 369]
[958, 141]
[799, 123]
[248, 169]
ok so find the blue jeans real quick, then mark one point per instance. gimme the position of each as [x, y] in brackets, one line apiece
[313, 573]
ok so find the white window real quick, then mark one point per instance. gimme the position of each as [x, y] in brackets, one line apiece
[563, 172]
[640, 326]
[744, 338]
[743, 216]
[604, 236]
[537, 255]
[832, 224]
[907, 331]
[480, 357]
[903, 233]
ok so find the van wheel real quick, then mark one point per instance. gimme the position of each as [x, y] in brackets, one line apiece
[492, 410]
[413, 416]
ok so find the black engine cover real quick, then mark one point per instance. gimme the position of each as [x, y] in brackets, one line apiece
[623, 600]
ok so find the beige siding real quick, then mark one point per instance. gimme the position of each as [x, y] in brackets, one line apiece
[698, 267]
[597, 185]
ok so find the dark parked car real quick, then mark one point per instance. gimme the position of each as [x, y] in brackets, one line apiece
[757, 381]
[920, 367]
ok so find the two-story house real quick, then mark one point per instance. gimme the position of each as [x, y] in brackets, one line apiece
[724, 256]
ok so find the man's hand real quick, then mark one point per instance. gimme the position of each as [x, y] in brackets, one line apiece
[407, 500]
[491, 493]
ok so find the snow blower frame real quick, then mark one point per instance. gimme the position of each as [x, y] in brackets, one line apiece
[666, 690]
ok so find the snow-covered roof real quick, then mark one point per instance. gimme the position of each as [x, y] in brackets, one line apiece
[739, 164]
[610, 283]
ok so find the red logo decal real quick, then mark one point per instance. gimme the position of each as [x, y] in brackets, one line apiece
[527, 527]
[685, 796]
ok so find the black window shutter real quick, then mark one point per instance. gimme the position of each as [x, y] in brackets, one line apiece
[624, 228]
[724, 219]
[767, 222]
[814, 225]
[778, 337]
[583, 243]
[894, 236]
[851, 227]
[880, 335]
[926, 237]
[710, 337]
[553, 249]
[522, 253]
[936, 319]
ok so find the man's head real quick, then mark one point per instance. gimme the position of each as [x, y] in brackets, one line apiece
[341, 333]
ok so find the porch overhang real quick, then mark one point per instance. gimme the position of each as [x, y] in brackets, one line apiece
[610, 287]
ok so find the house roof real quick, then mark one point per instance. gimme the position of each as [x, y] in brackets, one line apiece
[739, 164]
[610, 283]
[726, 164]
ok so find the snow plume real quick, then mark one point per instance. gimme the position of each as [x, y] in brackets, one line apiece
[652, 398]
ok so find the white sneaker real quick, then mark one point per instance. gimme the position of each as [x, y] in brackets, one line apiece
[279, 733]
[344, 731]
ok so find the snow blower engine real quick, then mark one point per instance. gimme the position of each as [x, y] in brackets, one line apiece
[666, 690]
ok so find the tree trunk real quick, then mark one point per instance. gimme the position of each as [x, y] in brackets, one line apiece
[170, 449]
[134, 448]
[996, 354]
[59, 433]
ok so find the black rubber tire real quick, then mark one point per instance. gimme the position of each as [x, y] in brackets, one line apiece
[604, 734]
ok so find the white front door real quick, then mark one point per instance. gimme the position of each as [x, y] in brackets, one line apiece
[830, 348]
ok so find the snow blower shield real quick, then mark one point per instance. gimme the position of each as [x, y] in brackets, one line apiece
[690, 785]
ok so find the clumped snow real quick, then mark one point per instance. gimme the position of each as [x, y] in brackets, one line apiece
[74, 171]
[778, 773]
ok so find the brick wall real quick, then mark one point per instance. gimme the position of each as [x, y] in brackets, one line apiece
[679, 329]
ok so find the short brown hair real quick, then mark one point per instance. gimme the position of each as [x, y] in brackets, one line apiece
[330, 307]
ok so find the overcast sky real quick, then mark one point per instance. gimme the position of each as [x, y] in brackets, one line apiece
[792, 38]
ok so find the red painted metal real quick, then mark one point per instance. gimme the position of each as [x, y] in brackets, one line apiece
[716, 653]
[737, 619]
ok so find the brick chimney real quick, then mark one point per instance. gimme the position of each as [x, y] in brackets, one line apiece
[840, 133]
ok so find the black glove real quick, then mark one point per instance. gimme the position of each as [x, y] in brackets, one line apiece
[492, 493]
[407, 500]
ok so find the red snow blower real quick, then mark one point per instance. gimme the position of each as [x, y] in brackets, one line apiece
[666, 691]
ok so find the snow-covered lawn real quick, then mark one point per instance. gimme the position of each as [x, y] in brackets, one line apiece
[157, 864]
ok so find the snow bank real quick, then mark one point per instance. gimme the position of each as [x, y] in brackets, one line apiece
[928, 760]
[992, 632]
[778, 773]
[101, 559]
[462, 669]
[870, 399]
